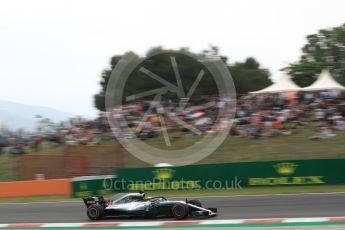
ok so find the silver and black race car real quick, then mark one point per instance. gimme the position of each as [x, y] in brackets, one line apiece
[136, 205]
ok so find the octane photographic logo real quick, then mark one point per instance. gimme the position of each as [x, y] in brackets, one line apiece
[170, 107]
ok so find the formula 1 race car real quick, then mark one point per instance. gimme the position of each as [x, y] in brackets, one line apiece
[136, 205]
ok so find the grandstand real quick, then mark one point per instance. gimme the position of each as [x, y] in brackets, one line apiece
[266, 127]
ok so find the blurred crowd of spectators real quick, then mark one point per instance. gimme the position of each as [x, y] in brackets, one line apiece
[256, 116]
[279, 114]
[85, 133]
[146, 119]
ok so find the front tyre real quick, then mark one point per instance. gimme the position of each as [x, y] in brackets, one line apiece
[195, 202]
[179, 211]
[95, 212]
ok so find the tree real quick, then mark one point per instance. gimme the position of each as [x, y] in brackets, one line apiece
[248, 76]
[324, 50]
[99, 99]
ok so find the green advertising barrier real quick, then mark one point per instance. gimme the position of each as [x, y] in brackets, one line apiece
[232, 175]
[92, 185]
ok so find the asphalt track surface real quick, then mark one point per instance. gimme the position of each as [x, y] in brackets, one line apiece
[237, 207]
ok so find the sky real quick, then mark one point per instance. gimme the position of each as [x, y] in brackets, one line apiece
[53, 52]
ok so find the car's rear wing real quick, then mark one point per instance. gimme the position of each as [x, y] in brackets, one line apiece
[94, 200]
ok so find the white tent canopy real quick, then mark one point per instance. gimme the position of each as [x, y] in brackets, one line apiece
[324, 82]
[284, 84]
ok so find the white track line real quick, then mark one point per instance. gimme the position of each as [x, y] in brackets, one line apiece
[177, 223]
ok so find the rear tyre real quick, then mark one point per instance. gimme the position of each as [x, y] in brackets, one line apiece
[95, 212]
[179, 211]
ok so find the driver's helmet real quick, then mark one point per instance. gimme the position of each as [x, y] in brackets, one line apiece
[140, 195]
